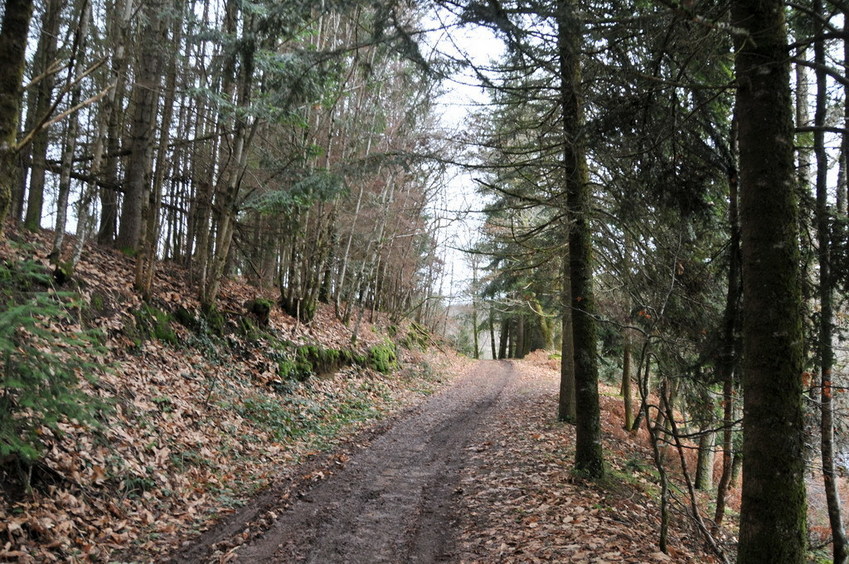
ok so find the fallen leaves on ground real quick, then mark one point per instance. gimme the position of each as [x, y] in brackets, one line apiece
[524, 504]
[193, 436]
[195, 429]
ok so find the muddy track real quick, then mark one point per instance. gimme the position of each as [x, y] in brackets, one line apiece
[392, 500]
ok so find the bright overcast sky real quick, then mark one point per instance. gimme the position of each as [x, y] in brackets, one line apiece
[461, 98]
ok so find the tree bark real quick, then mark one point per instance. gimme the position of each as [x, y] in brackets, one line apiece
[146, 258]
[588, 450]
[119, 22]
[727, 452]
[566, 409]
[772, 518]
[13, 42]
[475, 331]
[503, 336]
[704, 464]
[728, 365]
[240, 88]
[826, 318]
[75, 74]
[145, 101]
[643, 384]
[627, 343]
[521, 337]
[492, 346]
[627, 394]
[39, 105]
[843, 179]
[658, 458]
[802, 118]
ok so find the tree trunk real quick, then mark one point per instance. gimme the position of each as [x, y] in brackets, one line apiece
[626, 381]
[566, 409]
[146, 259]
[503, 337]
[234, 164]
[107, 139]
[657, 457]
[13, 42]
[643, 384]
[728, 364]
[627, 341]
[108, 227]
[707, 473]
[145, 101]
[772, 517]
[843, 179]
[492, 346]
[75, 74]
[826, 318]
[802, 118]
[727, 452]
[588, 451]
[475, 307]
[736, 469]
[39, 105]
[704, 464]
[119, 22]
[521, 337]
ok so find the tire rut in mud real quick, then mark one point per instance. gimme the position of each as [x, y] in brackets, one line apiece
[393, 501]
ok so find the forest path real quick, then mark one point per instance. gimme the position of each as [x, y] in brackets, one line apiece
[392, 501]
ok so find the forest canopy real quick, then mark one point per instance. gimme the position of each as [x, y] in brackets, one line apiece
[279, 142]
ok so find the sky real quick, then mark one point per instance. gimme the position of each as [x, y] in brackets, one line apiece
[462, 96]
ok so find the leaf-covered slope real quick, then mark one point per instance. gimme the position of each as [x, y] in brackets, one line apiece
[199, 417]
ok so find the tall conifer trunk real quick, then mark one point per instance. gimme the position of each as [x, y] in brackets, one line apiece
[118, 31]
[76, 70]
[729, 359]
[566, 409]
[772, 517]
[588, 451]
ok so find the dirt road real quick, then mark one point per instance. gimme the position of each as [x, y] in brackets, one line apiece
[390, 501]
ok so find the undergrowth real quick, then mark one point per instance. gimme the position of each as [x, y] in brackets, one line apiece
[43, 353]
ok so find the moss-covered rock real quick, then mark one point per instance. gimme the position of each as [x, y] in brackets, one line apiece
[302, 362]
[418, 337]
[383, 358]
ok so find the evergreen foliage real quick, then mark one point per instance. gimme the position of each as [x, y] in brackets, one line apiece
[43, 356]
[321, 186]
